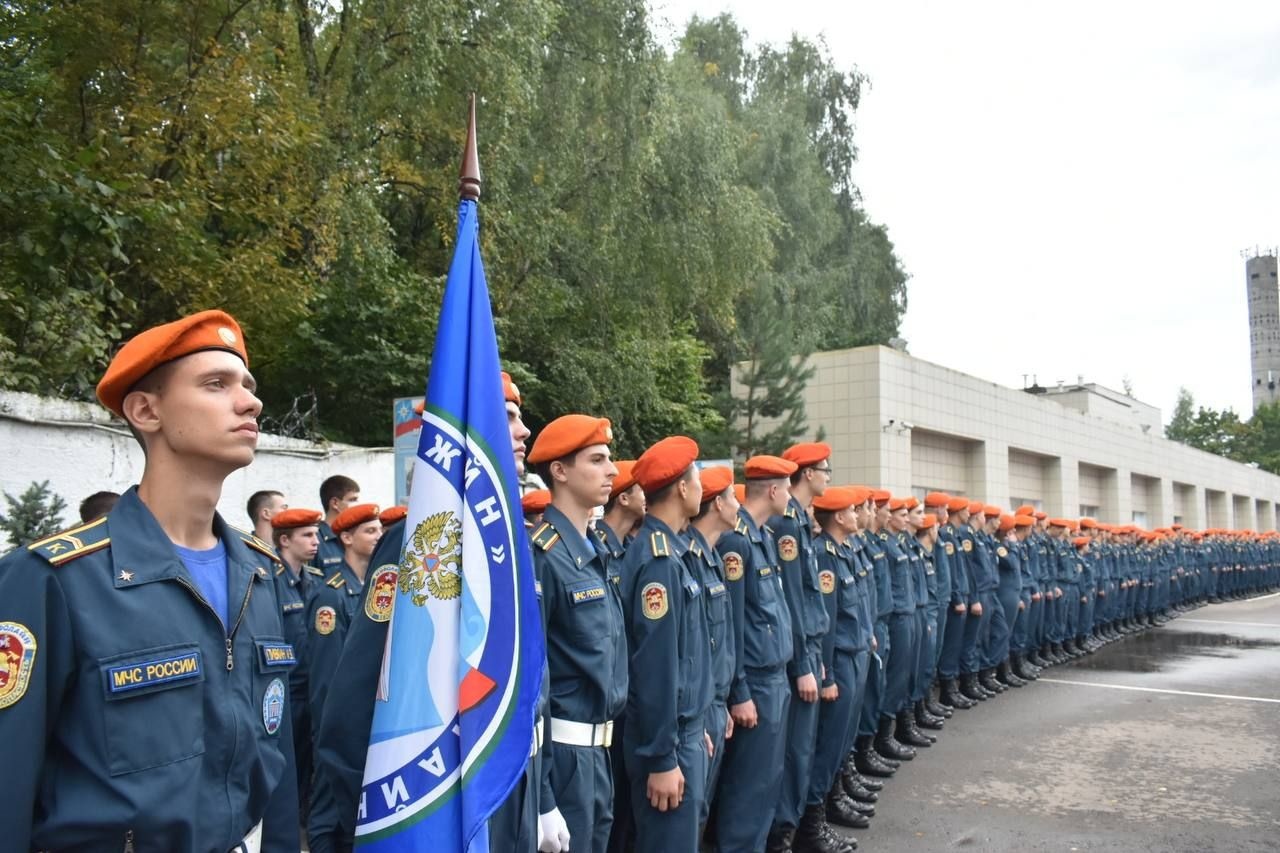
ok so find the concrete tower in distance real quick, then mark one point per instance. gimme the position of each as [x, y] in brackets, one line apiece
[1264, 325]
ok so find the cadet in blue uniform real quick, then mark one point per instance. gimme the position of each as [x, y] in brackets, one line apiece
[943, 558]
[145, 704]
[337, 493]
[717, 515]
[759, 695]
[957, 607]
[330, 612]
[667, 745]
[1009, 595]
[888, 751]
[294, 534]
[586, 636]
[982, 578]
[895, 714]
[793, 534]
[920, 547]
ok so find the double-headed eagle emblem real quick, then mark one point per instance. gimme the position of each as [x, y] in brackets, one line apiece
[432, 566]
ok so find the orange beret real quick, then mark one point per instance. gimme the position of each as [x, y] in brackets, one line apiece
[1023, 521]
[975, 508]
[569, 434]
[1059, 522]
[740, 492]
[861, 494]
[926, 522]
[769, 468]
[933, 500]
[287, 519]
[957, 504]
[1088, 524]
[207, 330]
[392, 514]
[912, 502]
[535, 501]
[896, 504]
[1006, 523]
[1072, 524]
[663, 463]
[1025, 509]
[510, 393]
[1080, 541]
[809, 453]
[714, 481]
[625, 479]
[881, 495]
[354, 516]
[1041, 516]
[835, 499]
[1177, 527]
[991, 510]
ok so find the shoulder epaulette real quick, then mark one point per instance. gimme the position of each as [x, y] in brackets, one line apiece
[695, 548]
[658, 541]
[261, 547]
[740, 527]
[279, 569]
[545, 536]
[73, 542]
[337, 581]
[767, 529]
[831, 547]
[791, 512]
[884, 536]
[312, 570]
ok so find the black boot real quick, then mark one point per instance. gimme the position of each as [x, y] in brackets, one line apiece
[969, 688]
[987, 678]
[1024, 669]
[853, 785]
[809, 837]
[779, 840]
[868, 762]
[906, 732]
[841, 811]
[925, 720]
[887, 746]
[951, 693]
[1006, 676]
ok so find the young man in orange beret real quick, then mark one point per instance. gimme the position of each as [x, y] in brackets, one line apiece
[949, 656]
[330, 613]
[792, 531]
[623, 512]
[1008, 600]
[586, 635]
[717, 515]
[876, 757]
[146, 705]
[927, 607]
[759, 694]
[666, 742]
[897, 714]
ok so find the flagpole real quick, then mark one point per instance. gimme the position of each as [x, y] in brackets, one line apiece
[469, 180]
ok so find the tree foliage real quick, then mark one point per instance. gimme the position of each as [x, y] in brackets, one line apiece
[1255, 441]
[296, 164]
[34, 514]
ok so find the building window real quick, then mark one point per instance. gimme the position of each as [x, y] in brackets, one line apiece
[1089, 511]
[1140, 518]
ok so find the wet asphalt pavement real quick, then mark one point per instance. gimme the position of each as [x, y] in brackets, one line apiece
[1081, 760]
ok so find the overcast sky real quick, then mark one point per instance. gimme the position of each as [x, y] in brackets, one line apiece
[1070, 186]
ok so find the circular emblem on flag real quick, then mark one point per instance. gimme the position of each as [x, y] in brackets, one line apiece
[1002, 551]
[654, 600]
[733, 566]
[17, 656]
[382, 593]
[788, 548]
[325, 619]
[827, 581]
[273, 706]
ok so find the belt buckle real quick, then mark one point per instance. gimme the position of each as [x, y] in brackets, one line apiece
[607, 734]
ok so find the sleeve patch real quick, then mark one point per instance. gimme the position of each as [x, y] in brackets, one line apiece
[381, 598]
[326, 620]
[17, 658]
[733, 566]
[653, 598]
[827, 582]
[788, 548]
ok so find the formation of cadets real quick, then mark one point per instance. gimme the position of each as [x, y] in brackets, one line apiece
[730, 666]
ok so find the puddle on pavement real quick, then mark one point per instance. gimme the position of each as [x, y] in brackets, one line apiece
[1156, 650]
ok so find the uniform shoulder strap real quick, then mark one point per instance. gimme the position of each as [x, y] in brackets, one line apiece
[337, 581]
[658, 541]
[72, 543]
[258, 545]
[545, 536]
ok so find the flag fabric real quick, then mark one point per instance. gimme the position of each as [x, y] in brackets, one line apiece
[453, 720]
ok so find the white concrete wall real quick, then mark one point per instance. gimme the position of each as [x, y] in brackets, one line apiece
[80, 450]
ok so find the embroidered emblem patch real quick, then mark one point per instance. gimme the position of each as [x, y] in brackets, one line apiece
[967, 546]
[378, 603]
[788, 548]
[827, 582]
[273, 706]
[654, 600]
[326, 617]
[733, 566]
[951, 549]
[17, 657]
[1002, 551]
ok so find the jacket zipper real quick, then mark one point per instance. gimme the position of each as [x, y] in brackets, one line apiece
[128, 841]
[230, 642]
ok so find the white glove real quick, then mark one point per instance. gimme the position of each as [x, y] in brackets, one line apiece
[553, 833]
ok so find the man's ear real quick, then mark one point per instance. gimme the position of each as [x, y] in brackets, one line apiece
[139, 408]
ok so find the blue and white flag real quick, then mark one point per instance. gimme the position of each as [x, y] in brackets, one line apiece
[453, 722]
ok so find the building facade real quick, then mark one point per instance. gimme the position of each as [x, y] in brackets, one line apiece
[900, 423]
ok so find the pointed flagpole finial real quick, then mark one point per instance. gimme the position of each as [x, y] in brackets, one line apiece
[469, 182]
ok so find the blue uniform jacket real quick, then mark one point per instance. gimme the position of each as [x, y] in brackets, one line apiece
[329, 556]
[902, 583]
[330, 611]
[709, 570]
[130, 714]
[799, 565]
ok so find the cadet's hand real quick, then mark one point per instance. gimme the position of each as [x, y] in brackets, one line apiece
[728, 727]
[711, 747]
[1022, 605]
[961, 609]
[975, 609]
[553, 833]
[1084, 599]
[1057, 592]
[875, 644]
[1035, 596]
[666, 790]
[744, 714]
[807, 687]
[1102, 593]
[830, 694]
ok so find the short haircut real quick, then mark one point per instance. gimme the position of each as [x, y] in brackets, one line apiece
[257, 501]
[336, 486]
[663, 493]
[756, 488]
[97, 505]
[824, 517]
[543, 469]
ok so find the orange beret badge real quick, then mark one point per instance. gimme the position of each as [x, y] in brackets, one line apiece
[325, 619]
[733, 566]
[382, 593]
[17, 657]
[654, 600]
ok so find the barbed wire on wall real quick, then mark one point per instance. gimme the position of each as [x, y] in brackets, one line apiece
[302, 420]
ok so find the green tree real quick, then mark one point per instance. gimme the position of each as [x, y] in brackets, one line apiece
[34, 514]
[1183, 421]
